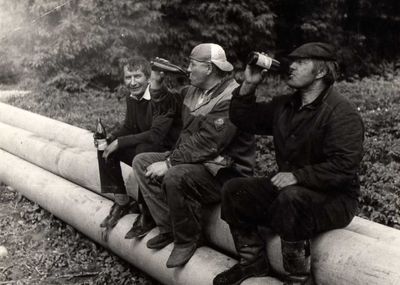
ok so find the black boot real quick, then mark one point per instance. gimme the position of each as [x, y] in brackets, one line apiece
[253, 261]
[143, 224]
[116, 212]
[297, 262]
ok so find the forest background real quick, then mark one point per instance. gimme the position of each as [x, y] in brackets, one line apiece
[82, 41]
[69, 53]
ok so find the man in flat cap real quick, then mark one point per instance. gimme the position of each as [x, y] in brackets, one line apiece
[210, 150]
[318, 137]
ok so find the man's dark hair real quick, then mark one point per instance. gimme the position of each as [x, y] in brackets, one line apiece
[331, 69]
[138, 63]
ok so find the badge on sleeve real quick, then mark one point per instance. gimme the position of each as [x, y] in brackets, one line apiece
[219, 124]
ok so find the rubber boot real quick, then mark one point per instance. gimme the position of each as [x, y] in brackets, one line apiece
[297, 262]
[253, 261]
[143, 224]
[116, 213]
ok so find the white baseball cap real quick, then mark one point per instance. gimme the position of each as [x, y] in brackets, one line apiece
[214, 53]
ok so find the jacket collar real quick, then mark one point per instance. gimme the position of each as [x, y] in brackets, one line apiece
[296, 100]
[146, 95]
[214, 91]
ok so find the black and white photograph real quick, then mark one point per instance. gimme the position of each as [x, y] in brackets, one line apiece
[151, 142]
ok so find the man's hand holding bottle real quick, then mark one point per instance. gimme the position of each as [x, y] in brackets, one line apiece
[257, 67]
[112, 147]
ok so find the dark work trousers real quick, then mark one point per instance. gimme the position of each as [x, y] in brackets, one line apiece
[294, 212]
[176, 201]
[110, 171]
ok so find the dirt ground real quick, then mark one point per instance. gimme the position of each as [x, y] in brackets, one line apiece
[44, 250]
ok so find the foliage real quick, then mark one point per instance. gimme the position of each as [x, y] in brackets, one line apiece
[85, 40]
[363, 29]
[238, 26]
[9, 73]
[79, 109]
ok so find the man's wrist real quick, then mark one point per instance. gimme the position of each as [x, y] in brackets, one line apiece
[110, 138]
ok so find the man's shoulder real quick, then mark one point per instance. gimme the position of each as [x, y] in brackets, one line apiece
[228, 85]
[336, 100]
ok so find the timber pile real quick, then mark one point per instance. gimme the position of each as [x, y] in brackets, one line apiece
[55, 165]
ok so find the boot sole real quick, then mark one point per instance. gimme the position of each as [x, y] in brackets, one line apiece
[160, 245]
[247, 277]
[141, 235]
[252, 276]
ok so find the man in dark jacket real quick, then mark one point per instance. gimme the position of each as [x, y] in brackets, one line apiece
[151, 124]
[209, 151]
[318, 138]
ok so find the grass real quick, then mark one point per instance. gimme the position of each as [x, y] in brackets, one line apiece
[78, 109]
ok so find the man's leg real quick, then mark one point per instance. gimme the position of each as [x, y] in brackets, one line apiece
[244, 206]
[153, 196]
[144, 222]
[297, 215]
[187, 188]
[112, 182]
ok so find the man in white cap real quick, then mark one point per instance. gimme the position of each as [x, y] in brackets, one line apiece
[209, 151]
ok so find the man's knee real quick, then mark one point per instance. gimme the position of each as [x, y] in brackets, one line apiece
[232, 188]
[291, 195]
[175, 177]
[289, 210]
[289, 206]
[139, 163]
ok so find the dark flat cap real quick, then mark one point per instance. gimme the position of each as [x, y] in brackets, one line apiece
[315, 50]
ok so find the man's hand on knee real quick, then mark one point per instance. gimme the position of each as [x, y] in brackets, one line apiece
[283, 179]
[156, 170]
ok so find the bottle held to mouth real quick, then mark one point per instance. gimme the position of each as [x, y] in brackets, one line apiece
[264, 61]
[100, 136]
[161, 64]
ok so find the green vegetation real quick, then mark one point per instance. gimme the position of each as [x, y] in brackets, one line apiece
[79, 109]
[73, 44]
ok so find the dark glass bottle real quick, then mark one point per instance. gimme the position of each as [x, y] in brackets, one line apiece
[161, 64]
[100, 136]
[263, 61]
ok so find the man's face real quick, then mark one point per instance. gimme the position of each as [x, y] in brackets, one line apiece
[199, 72]
[136, 81]
[301, 73]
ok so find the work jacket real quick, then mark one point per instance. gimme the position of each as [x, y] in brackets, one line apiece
[320, 143]
[208, 135]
